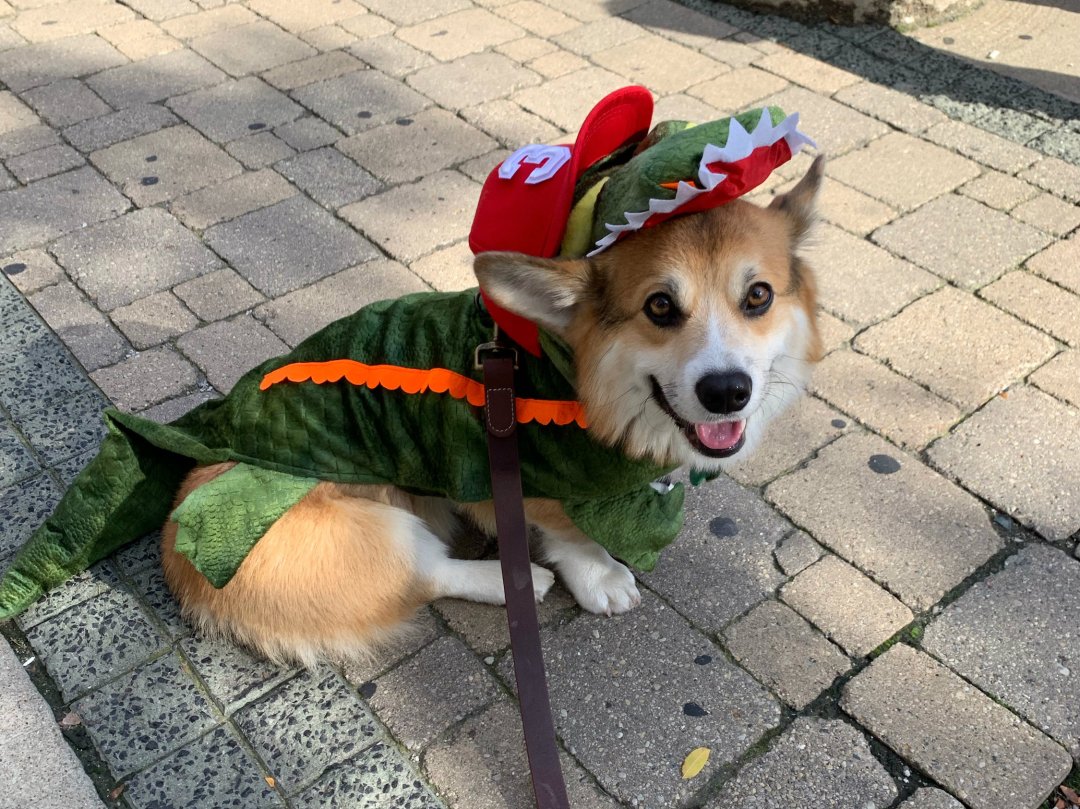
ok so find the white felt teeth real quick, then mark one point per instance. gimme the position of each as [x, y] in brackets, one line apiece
[740, 145]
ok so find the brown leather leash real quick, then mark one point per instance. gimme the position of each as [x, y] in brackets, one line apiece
[498, 362]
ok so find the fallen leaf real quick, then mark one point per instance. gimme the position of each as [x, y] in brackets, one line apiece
[695, 762]
[1060, 804]
[270, 780]
[1070, 793]
[117, 791]
[70, 720]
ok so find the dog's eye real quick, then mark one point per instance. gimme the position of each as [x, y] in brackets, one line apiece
[758, 299]
[660, 309]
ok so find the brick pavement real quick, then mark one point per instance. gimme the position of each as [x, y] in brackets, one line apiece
[878, 610]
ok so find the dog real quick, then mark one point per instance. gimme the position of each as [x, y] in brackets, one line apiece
[687, 338]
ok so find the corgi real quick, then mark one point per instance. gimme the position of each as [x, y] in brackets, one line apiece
[687, 339]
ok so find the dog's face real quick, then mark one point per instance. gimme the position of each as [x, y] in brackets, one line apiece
[688, 337]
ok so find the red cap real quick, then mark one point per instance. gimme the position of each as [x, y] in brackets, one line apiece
[526, 200]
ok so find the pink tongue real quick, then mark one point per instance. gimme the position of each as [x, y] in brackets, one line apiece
[720, 434]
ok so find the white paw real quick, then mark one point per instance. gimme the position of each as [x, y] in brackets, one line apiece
[602, 586]
[543, 579]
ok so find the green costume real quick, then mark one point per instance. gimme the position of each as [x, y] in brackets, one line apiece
[296, 433]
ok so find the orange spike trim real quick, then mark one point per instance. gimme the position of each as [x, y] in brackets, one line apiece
[418, 380]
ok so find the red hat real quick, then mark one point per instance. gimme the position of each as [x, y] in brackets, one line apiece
[526, 200]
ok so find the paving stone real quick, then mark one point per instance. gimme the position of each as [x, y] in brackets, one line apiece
[302, 727]
[145, 379]
[211, 772]
[218, 294]
[496, 776]
[460, 33]
[835, 333]
[1038, 485]
[537, 18]
[95, 580]
[797, 552]
[311, 14]
[794, 436]
[98, 133]
[14, 114]
[847, 606]
[472, 80]
[959, 347]
[1060, 142]
[566, 101]
[66, 102]
[260, 150]
[421, 631]
[163, 9]
[329, 177]
[360, 100]
[332, 37]
[599, 35]
[885, 284]
[290, 244]
[638, 671]
[300, 314]
[164, 165]
[510, 124]
[140, 39]
[235, 109]
[733, 51]
[1050, 214]
[822, 763]
[447, 270]
[251, 48]
[231, 675]
[27, 139]
[1014, 636]
[379, 776]
[144, 252]
[1061, 377]
[86, 332]
[807, 71]
[681, 107]
[154, 79]
[527, 48]
[202, 23]
[248, 343]
[479, 168]
[16, 460]
[41, 211]
[835, 128]
[956, 732]
[1059, 263]
[884, 401]
[1038, 302]
[413, 147]
[852, 210]
[34, 65]
[1055, 176]
[723, 562]
[317, 68]
[31, 270]
[557, 64]
[232, 198]
[666, 66]
[676, 21]
[891, 106]
[44, 163]
[929, 798]
[411, 13]
[171, 410]
[160, 706]
[856, 498]
[390, 55]
[999, 190]
[23, 507]
[483, 626]
[67, 19]
[93, 642]
[139, 555]
[412, 220]
[7, 182]
[901, 170]
[983, 146]
[366, 26]
[787, 654]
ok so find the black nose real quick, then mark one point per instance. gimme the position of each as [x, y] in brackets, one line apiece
[724, 393]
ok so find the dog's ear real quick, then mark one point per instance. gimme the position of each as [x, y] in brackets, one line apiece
[800, 203]
[544, 290]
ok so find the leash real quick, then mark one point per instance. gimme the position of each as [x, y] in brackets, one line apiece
[498, 362]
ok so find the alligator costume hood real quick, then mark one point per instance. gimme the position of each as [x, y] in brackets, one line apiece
[390, 394]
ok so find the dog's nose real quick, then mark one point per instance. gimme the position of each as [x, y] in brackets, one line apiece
[724, 393]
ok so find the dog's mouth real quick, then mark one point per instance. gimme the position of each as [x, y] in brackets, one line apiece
[714, 439]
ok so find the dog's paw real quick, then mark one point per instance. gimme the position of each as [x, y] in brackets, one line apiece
[604, 587]
[543, 579]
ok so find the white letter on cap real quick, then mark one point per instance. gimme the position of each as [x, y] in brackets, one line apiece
[548, 160]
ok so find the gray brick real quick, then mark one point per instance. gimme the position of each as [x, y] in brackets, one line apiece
[956, 732]
[999, 190]
[71, 18]
[201, 23]
[1061, 377]
[566, 101]
[251, 48]
[797, 552]
[235, 109]
[1055, 176]
[173, 409]
[166, 164]
[856, 498]
[295, 17]
[929, 798]
[66, 102]
[424, 629]
[472, 80]
[891, 106]
[218, 294]
[159, 10]
[26, 139]
[155, 79]
[16, 460]
[308, 133]
[379, 770]
[232, 198]
[44, 163]
[31, 270]
[983, 146]
[390, 55]
[146, 379]
[34, 65]
[447, 270]
[89, 136]
[49, 208]
[227, 350]
[1045, 305]
[329, 177]
[23, 507]
[317, 68]
[303, 312]
[89, 335]
[260, 150]
[14, 114]
[483, 626]
[816, 762]
[144, 252]
[360, 100]
[153, 320]
[460, 33]
[411, 13]
[288, 245]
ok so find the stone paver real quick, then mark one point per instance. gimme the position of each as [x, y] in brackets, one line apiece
[734, 91]
[259, 150]
[472, 80]
[380, 771]
[1061, 377]
[1039, 484]
[1059, 264]
[837, 129]
[460, 33]
[980, 145]
[566, 101]
[329, 177]
[66, 102]
[974, 747]
[249, 344]
[815, 762]
[234, 197]
[667, 66]
[797, 552]
[317, 68]
[152, 320]
[1014, 636]
[44, 163]
[154, 79]
[218, 294]
[448, 269]
[930, 798]
[858, 497]
[964, 350]
[32, 66]
[73, 317]
[234, 109]
[146, 379]
[1055, 176]
[251, 48]
[999, 190]
[891, 106]
[1049, 213]
[1038, 302]
[97, 133]
[360, 100]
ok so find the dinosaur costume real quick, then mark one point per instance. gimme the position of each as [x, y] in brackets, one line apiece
[390, 394]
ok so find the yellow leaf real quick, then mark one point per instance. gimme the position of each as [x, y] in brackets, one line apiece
[270, 780]
[695, 762]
